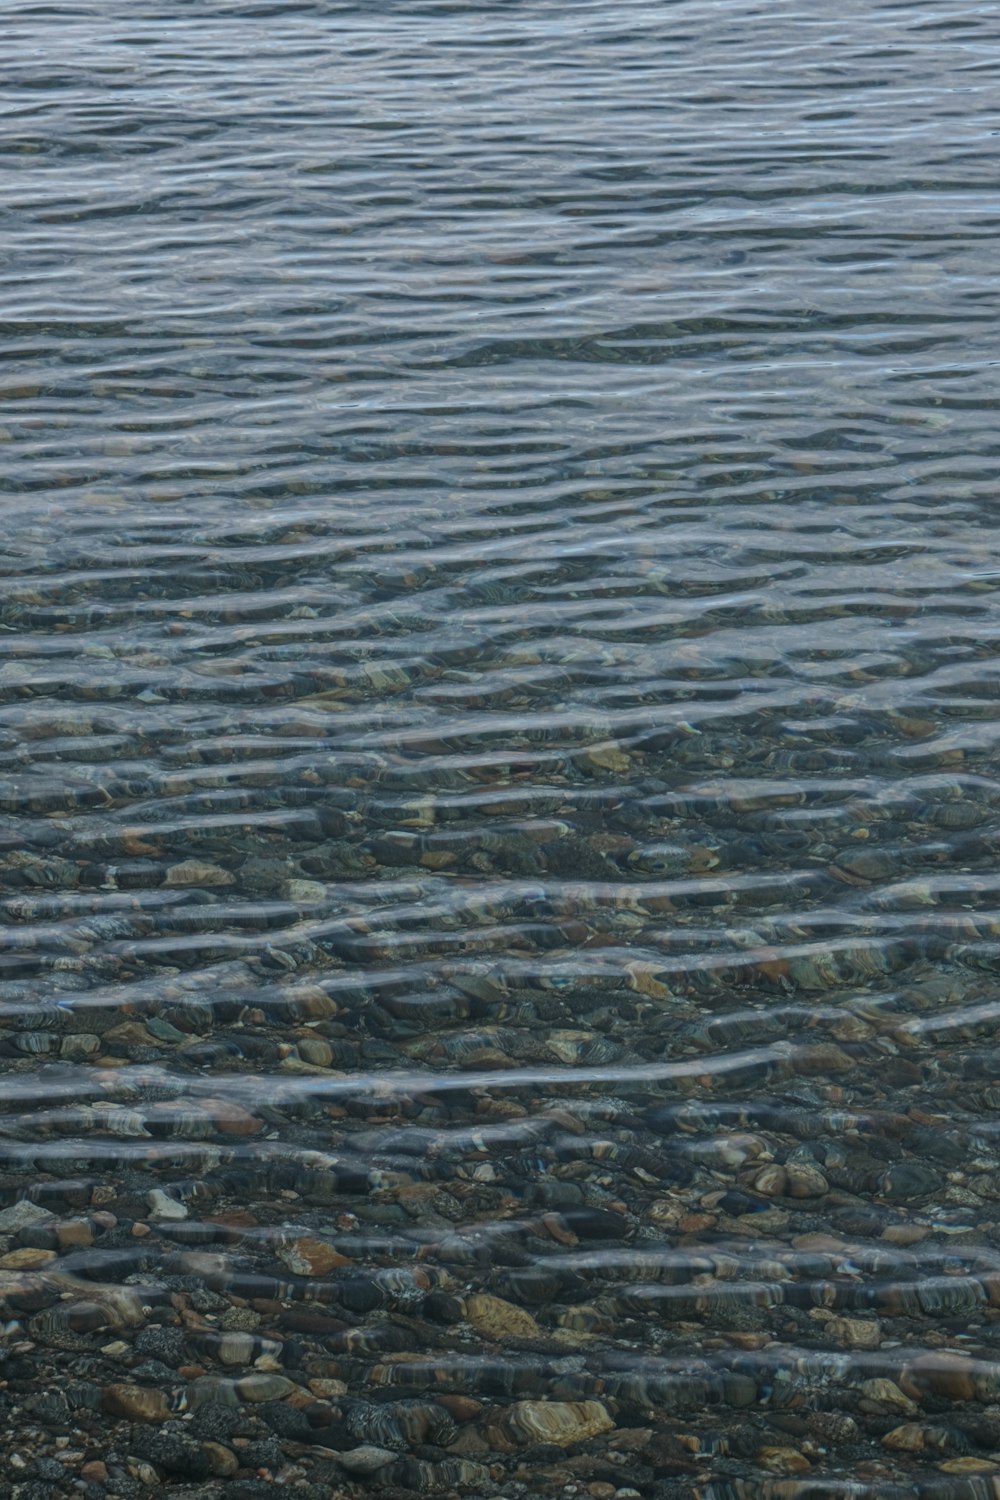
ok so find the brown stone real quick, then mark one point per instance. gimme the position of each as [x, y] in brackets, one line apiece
[221, 1460]
[943, 1374]
[470, 1444]
[770, 1221]
[559, 1422]
[264, 1387]
[771, 1180]
[72, 1232]
[94, 1472]
[748, 1340]
[667, 1213]
[909, 1438]
[879, 1394]
[130, 1036]
[192, 1319]
[818, 1241]
[805, 1181]
[132, 844]
[632, 1439]
[198, 872]
[462, 1408]
[328, 1387]
[323, 1414]
[783, 1460]
[574, 1338]
[697, 1223]
[137, 1403]
[608, 757]
[558, 1230]
[905, 1234]
[309, 1256]
[230, 1119]
[499, 1320]
[26, 1259]
[855, 1333]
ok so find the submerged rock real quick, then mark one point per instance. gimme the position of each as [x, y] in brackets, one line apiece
[561, 1422]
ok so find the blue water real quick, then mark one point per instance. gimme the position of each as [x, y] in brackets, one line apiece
[498, 718]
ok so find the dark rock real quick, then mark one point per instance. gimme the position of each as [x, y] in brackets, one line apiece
[286, 1421]
[173, 1451]
[256, 1489]
[543, 1453]
[908, 1182]
[262, 1455]
[51, 1408]
[203, 1300]
[153, 1372]
[82, 1395]
[595, 1223]
[52, 1470]
[217, 1422]
[166, 1344]
[335, 1435]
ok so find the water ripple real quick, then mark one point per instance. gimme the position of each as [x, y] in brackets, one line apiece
[498, 749]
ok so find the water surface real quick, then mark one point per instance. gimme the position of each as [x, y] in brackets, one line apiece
[498, 707]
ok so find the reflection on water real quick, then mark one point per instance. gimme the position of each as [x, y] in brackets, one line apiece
[498, 707]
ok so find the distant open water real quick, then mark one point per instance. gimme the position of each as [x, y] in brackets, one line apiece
[499, 722]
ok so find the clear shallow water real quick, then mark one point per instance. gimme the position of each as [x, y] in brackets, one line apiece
[498, 663]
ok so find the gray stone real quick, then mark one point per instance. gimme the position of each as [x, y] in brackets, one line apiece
[50, 1468]
[367, 1459]
[173, 1451]
[22, 1215]
[166, 1344]
[162, 1206]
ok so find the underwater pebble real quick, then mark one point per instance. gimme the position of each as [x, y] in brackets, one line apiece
[161, 1206]
[560, 1422]
[23, 1215]
[497, 1319]
[366, 1459]
[198, 872]
[136, 1403]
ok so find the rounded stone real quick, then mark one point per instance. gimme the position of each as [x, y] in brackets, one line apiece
[805, 1181]
[367, 1459]
[560, 1422]
[136, 1403]
[771, 1180]
[264, 1387]
[309, 1256]
[222, 1461]
[500, 1320]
